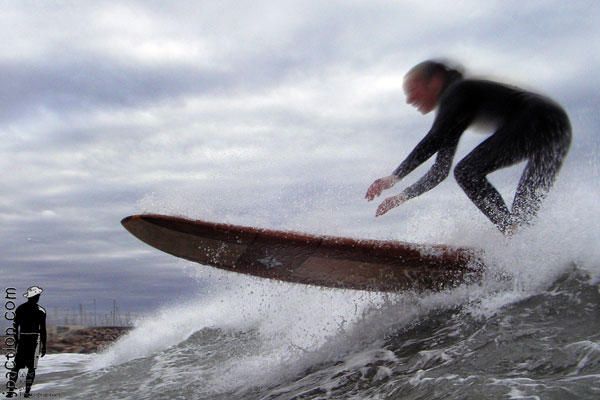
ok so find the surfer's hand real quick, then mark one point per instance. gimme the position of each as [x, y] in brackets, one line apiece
[389, 203]
[380, 185]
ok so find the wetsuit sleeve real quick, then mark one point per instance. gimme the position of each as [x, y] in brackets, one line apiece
[17, 322]
[454, 116]
[421, 153]
[438, 172]
[43, 327]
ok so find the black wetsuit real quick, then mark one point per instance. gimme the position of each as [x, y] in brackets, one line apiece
[30, 328]
[528, 126]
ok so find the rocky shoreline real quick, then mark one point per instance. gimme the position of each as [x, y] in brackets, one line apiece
[79, 339]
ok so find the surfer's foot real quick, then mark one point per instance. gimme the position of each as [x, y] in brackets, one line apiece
[510, 230]
[27, 395]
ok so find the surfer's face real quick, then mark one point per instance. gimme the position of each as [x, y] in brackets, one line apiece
[421, 93]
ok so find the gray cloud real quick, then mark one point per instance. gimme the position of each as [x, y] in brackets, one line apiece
[268, 113]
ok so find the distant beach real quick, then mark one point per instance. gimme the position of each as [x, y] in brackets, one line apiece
[79, 339]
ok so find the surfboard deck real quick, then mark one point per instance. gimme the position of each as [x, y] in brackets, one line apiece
[328, 261]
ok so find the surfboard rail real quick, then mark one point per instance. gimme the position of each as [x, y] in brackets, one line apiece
[321, 260]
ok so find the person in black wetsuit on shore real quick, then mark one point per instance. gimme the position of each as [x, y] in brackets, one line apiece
[30, 337]
[528, 127]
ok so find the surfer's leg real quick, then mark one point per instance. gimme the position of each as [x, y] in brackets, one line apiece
[29, 379]
[538, 177]
[502, 149]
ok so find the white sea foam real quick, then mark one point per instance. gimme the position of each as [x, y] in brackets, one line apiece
[299, 326]
[288, 317]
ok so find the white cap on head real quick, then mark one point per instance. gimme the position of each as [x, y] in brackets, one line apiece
[33, 291]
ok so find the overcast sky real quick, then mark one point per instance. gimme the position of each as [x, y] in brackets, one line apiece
[270, 113]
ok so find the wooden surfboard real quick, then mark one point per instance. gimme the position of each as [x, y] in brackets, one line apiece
[328, 261]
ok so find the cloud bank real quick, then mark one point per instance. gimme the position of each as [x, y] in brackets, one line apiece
[277, 114]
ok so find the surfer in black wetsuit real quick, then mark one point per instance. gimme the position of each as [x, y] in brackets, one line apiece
[30, 337]
[528, 127]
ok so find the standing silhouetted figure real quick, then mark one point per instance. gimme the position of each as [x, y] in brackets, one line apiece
[30, 337]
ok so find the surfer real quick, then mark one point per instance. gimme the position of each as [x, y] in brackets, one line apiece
[528, 127]
[30, 338]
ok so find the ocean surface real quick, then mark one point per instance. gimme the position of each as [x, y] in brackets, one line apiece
[530, 329]
[519, 334]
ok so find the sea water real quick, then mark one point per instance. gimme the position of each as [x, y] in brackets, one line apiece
[529, 330]
[265, 340]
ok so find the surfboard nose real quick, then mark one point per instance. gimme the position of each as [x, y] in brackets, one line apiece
[125, 221]
[134, 223]
[129, 221]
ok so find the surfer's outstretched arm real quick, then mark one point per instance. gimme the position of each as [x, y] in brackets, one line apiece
[436, 174]
[443, 139]
[421, 153]
[450, 122]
